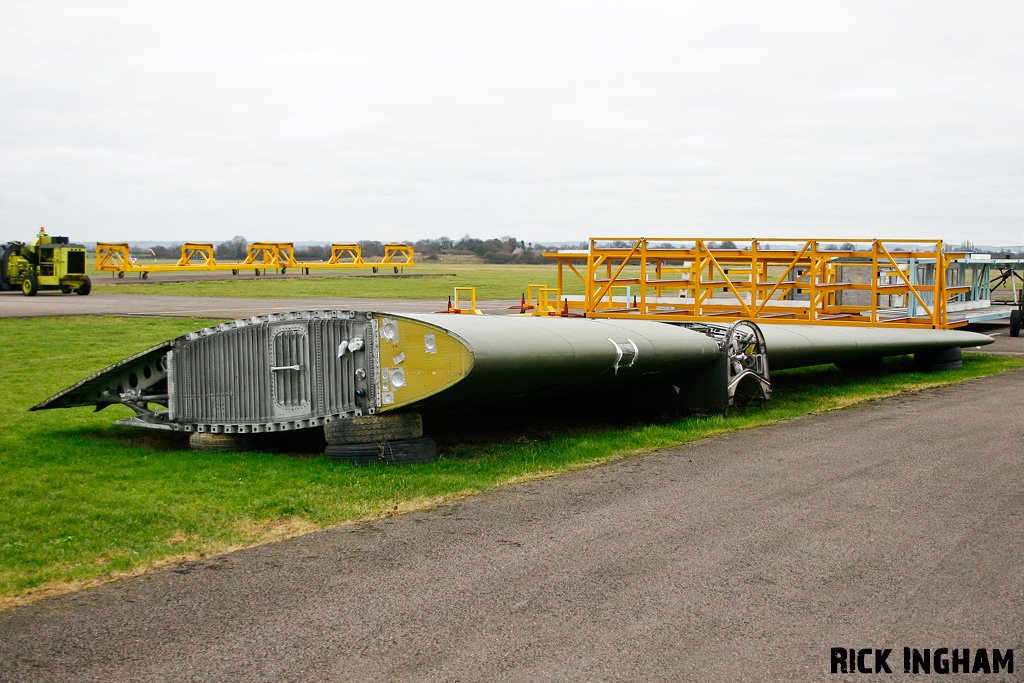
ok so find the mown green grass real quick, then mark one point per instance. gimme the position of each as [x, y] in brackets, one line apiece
[491, 282]
[85, 500]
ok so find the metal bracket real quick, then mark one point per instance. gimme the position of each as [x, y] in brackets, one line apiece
[743, 343]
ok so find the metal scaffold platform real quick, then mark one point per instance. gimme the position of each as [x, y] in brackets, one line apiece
[890, 283]
[261, 257]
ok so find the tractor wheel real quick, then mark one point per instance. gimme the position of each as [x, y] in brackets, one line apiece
[283, 271]
[374, 428]
[405, 452]
[145, 275]
[120, 275]
[85, 288]
[30, 285]
[1015, 316]
[257, 271]
[234, 271]
[205, 441]
[375, 269]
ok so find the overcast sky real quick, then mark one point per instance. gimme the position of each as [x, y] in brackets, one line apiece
[544, 120]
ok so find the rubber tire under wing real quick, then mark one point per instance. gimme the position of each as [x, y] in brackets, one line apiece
[374, 428]
[402, 452]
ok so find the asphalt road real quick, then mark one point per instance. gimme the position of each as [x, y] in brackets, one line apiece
[15, 305]
[744, 557]
[1004, 344]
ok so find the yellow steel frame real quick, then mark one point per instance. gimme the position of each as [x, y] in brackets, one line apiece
[189, 250]
[115, 256]
[397, 254]
[270, 255]
[472, 301]
[456, 306]
[347, 254]
[112, 256]
[794, 281]
[547, 299]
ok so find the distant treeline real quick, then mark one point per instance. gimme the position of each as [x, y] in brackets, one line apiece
[503, 250]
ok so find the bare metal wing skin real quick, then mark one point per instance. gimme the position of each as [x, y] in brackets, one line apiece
[302, 369]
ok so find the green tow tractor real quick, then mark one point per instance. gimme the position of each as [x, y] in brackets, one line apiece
[48, 263]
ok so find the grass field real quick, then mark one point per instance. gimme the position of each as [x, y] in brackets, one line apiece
[491, 282]
[86, 501]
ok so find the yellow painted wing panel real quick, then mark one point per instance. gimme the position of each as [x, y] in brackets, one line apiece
[417, 360]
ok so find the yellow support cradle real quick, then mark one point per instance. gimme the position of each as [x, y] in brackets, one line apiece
[261, 256]
[891, 283]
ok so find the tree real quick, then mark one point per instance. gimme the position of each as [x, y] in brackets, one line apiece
[314, 252]
[426, 247]
[235, 249]
[371, 248]
[173, 251]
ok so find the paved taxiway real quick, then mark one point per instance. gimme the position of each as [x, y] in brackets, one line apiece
[15, 305]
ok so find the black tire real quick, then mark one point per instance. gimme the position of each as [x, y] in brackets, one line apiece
[374, 428]
[5, 261]
[257, 271]
[120, 274]
[205, 441]
[85, 288]
[950, 358]
[404, 452]
[375, 269]
[1015, 315]
[283, 271]
[30, 285]
[145, 275]
[234, 271]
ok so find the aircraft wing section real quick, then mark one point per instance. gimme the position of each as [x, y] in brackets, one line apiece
[792, 346]
[303, 369]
